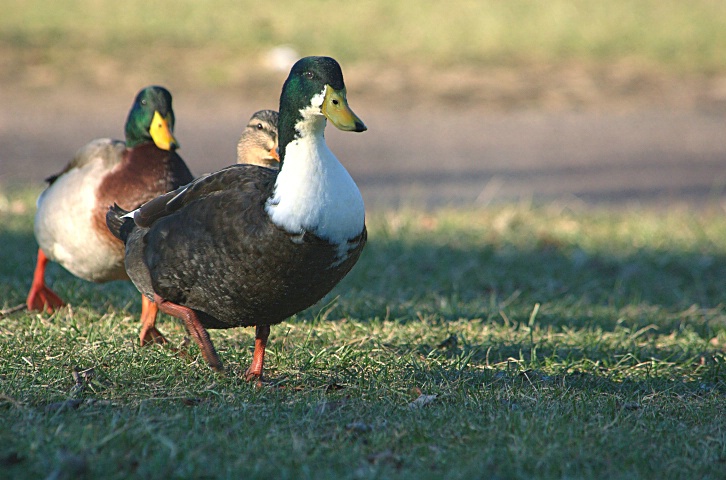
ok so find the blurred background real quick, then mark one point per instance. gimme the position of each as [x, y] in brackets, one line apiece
[467, 102]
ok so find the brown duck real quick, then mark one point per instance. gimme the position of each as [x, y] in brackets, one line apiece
[258, 143]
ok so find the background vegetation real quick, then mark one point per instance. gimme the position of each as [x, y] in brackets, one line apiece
[222, 43]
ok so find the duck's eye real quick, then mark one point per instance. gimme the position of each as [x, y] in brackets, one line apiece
[259, 126]
[144, 102]
[309, 75]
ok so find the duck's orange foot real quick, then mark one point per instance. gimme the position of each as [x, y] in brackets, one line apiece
[254, 373]
[195, 329]
[42, 298]
[150, 336]
[252, 376]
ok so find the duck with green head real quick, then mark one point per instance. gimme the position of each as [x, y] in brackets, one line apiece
[251, 246]
[70, 224]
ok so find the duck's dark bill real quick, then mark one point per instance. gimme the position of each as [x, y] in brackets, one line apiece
[336, 109]
[161, 133]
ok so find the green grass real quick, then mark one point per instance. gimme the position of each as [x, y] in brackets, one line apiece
[218, 43]
[558, 343]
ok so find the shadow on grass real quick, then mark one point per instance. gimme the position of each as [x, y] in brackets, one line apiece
[406, 280]
[503, 284]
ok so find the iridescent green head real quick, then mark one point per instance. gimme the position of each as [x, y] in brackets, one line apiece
[151, 119]
[314, 87]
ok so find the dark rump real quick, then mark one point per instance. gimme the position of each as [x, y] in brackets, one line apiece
[120, 227]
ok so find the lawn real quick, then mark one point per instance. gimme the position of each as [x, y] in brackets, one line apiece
[220, 43]
[515, 341]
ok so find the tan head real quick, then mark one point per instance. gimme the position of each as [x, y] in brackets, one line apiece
[258, 143]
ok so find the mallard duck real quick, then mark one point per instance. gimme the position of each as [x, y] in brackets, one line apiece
[258, 143]
[251, 246]
[70, 224]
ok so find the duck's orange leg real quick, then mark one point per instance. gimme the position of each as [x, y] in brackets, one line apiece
[40, 296]
[195, 329]
[149, 334]
[258, 358]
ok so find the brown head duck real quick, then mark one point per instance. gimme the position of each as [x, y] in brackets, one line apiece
[258, 143]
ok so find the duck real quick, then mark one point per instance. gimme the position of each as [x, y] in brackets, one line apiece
[251, 246]
[257, 144]
[70, 220]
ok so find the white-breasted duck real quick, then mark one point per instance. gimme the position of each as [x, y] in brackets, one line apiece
[251, 246]
[258, 143]
[70, 222]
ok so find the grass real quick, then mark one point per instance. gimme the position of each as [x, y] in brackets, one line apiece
[219, 44]
[539, 342]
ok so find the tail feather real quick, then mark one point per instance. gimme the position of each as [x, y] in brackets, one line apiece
[119, 225]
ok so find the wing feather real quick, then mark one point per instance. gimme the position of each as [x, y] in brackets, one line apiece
[232, 177]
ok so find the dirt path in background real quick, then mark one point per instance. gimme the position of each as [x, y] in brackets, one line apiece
[428, 156]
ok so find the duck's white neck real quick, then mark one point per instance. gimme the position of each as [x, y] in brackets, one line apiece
[314, 192]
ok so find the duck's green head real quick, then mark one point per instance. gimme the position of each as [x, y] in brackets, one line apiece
[315, 87]
[151, 119]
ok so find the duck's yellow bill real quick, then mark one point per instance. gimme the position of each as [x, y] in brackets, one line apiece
[161, 133]
[336, 109]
